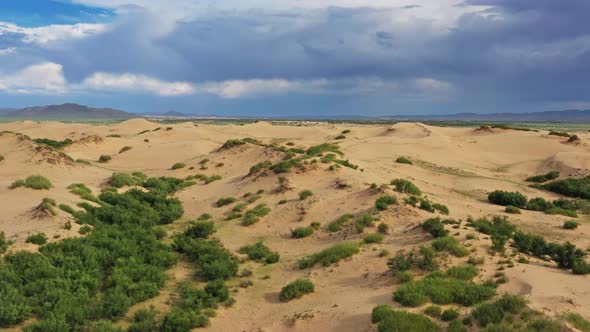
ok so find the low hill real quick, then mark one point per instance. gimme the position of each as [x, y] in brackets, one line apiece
[66, 111]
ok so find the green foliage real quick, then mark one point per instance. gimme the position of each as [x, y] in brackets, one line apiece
[562, 211]
[178, 166]
[57, 145]
[383, 228]
[38, 239]
[200, 229]
[373, 238]
[36, 182]
[253, 215]
[570, 187]
[323, 148]
[538, 204]
[303, 195]
[435, 227]
[512, 209]
[183, 320]
[498, 225]
[383, 202]
[104, 158]
[406, 187]
[507, 198]
[441, 288]
[231, 143]
[166, 185]
[363, 221]
[330, 255]
[345, 163]
[390, 320]
[301, 232]
[578, 321]
[559, 133]
[494, 312]
[296, 289]
[144, 320]
[4, 243]
[119, 180]
[403, 160]
[260, 253]
[433, 311]
[225, 201]
[340, 137]
[125, 149]
[450, 244]
[462, 272]
[544, 177]
[441, 208]
[567, 256]
[336, 225]
[345, 131]
[570, 224]
[215, 262]
[449, 315]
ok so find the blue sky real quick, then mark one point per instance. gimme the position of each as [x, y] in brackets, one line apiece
[309, 57]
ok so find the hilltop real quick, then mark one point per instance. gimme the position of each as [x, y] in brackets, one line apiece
[68, 111]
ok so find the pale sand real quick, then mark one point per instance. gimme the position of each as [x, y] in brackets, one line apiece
[453, 166]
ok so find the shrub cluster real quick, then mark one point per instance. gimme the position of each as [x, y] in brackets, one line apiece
[579, 188]
[57, 145]
[403, 160]
[383, 202]
[403, 261]
[296, 289]
[303, 195]
[225, 201]
[399, 320]
[507, 198]
[330, 255]
[363, 221]
[435, 227]
[36, 182]
[494, 312]
[260, 253]
[373, 238]
[544, 177]
[253, 215]
[406, 187]
[178, 166]
[301, 232]
[336, 225]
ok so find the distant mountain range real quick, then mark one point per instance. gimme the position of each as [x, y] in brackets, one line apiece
[72, 111]
[67, 111]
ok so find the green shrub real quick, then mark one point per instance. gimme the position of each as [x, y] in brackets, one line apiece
[404, 276]
[373, 238]
[494, 312]
[340, 137]
[538, 204]
[225, 201]
[390, 320]
[383, 202]
[463, 272]
[57, 145]
[406, 187]
[305, 194]
[200, 229]
[296, 289]
[383, 228]
[403, 160]
[544, 177]
[104, 158]
[38, 239]
[433, 311]
[36, 182]
[253, 215]
[183, 320]
[512, 209]
[323, 148]
[441, 208]
[330, 255]
[301, 232]
[336, 225]
[178, 166]
[456, 326]
[578, 321]
[363, 221]
[144, 320]
[119, 180]
[559, 133]
[499, 225]
[451, 245]
[231, 143]
[434, 227]
[449, 315]
[125, 149]
[562, 211]
[507, 198]
[570, 224]
[212, 178]
[260, 253]
[4, 243]
[579, 188]
[442, 289]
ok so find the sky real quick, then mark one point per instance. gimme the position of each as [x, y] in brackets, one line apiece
[297, 57]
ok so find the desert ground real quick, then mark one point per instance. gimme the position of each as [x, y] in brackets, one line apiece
[454, 166]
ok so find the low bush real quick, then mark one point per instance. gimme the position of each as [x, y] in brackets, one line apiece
[383, 228]
[38, 239]
[579, 188]
[544, 177]
[301, 232]
[119, 180]
[104, 158]
[570, 224]
[57, 145]
[450, 244]
[200, 229]
[336, 225]
[260, 253]
[125, 149]
[253, 215]
[178, 166]
[449, 315]
[373, 238]
[363, 221]
[434, 227]
[406, 187]
[330, 255]
[183, 320]
[390, 320]
[494, 312]
[441, 208]
[507, 198]
[559, 133]
[36, 182]
[562, 211]
[296, 289]
[340, 137]
[442, 289]
[512, 209]
[578, 321]
[4, 243]
[403, 160]
[305, 194]
[383, 202]
[225, 201]
[433, 311]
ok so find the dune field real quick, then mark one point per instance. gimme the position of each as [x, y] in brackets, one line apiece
[276, 180]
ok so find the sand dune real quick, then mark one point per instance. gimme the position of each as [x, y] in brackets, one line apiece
[454, 166]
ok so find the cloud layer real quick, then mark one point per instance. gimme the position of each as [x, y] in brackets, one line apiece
[474, 55]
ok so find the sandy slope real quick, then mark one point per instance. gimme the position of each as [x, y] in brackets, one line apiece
[454, 166]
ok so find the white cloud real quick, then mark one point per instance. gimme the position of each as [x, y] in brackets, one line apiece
[51, 33]
[6, 51]
[138, 83]
[44, 78]
[241, 88]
